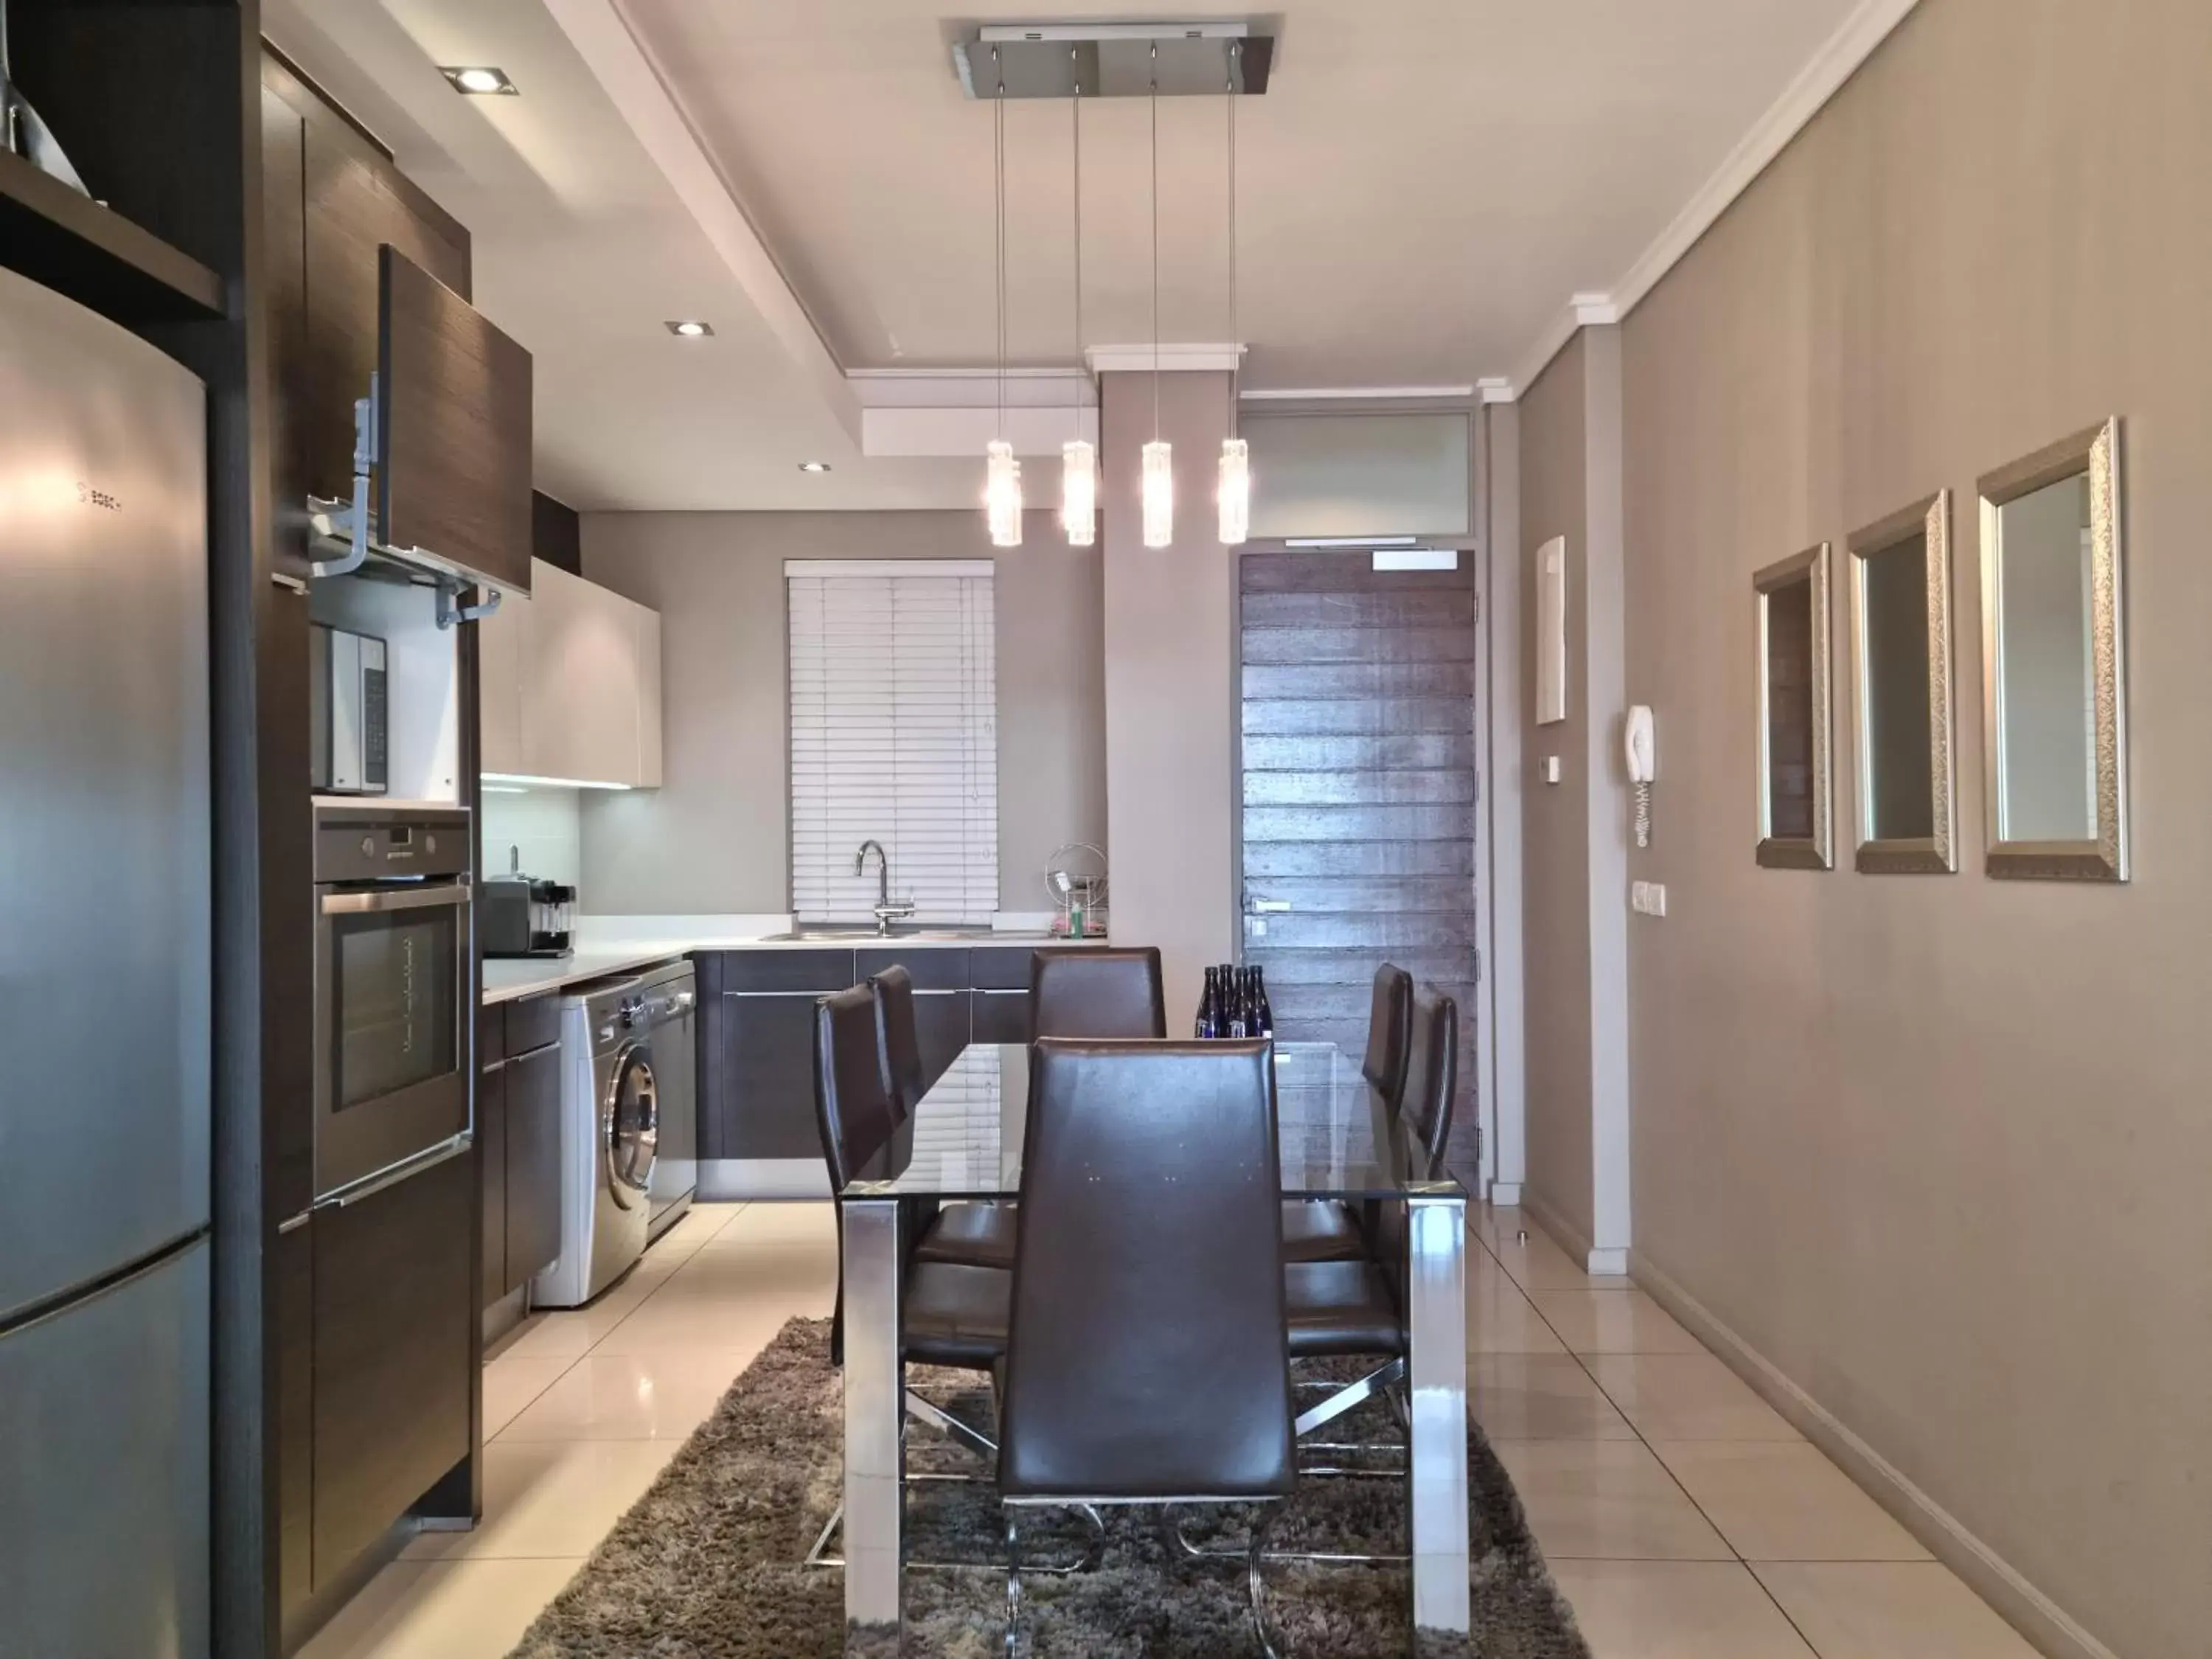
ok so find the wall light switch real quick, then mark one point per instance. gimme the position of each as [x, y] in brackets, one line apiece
[1550, 769]
[1648, 898]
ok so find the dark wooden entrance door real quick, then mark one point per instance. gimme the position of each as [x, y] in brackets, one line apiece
[1358, 690]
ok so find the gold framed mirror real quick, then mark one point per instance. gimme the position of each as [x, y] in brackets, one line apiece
[2054, 668]
[1901, 766]
[1792, 598]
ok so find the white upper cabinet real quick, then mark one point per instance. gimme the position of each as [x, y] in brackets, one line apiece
[570, 685]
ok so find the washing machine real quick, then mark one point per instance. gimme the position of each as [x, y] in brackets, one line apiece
[610, 1138]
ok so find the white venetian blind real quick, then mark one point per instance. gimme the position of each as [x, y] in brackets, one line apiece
[894, 737]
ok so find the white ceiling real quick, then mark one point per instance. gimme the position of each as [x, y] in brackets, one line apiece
[1422, 187]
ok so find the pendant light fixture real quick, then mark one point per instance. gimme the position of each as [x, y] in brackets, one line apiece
[1002, 473]
[1159, 480]
[1079, 460]
[1233, 493]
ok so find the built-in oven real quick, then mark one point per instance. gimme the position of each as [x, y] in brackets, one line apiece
[392, 937]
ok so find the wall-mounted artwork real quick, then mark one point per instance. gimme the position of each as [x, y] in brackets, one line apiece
[1900, 586]
[2054, 695]
[1791, 600]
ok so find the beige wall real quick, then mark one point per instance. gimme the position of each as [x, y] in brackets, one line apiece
[715, 837]
[1938, 1147]
[1574, 832]
[1170, 693]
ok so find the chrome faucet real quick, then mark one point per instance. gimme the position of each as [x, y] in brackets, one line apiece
[886, 912]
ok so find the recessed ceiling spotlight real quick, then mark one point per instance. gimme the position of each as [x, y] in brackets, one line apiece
[479, 78]
[814, 466]
[691, 329]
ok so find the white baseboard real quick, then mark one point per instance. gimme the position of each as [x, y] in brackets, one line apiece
[1505, 1194]
[1607, 1264]
[2027, 1609]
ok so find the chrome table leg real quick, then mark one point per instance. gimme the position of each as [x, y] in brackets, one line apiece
[1436, 1311]
[874, 1446]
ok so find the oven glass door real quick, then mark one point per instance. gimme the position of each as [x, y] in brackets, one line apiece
[392, 1039]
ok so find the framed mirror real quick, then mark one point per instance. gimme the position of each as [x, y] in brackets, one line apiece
[2054, 696]
[1900, 586]
[1792, 601]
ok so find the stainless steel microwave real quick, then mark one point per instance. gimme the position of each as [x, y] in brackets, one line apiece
[349, 704]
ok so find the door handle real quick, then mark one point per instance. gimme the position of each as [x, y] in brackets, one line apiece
[1268, 907]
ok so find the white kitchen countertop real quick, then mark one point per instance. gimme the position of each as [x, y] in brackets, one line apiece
[603, 952]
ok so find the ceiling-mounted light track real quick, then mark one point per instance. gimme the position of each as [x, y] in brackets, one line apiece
[1179, 59]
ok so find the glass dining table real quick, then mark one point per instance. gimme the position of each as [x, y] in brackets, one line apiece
[963, 1141]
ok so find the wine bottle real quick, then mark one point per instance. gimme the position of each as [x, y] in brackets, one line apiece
[1266, 1013]
[1209, 1016]
[1240, 1025]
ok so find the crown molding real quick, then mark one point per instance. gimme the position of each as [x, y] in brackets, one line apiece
[1494, 389]
[1348, 394]
[1869, 24]
[1170, 357]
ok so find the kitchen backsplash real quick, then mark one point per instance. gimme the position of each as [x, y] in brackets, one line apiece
[543, 826]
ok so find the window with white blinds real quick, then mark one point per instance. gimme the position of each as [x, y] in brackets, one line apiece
[894, 737]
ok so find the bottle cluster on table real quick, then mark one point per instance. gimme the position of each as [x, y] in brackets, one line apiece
[1235, 1004]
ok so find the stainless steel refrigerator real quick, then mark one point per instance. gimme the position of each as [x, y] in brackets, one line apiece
[105, 994]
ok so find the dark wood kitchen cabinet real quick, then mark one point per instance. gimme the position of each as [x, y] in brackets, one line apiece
[395, 1314]
[756, 1039]
[519, 1141]
[293, 1326]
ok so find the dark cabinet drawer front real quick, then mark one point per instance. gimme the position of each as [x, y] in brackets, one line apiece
[491, 1166]
[533, 1165]
[935, 969]
[394, 1311]
[769, 1109]
[491, 1034]
[1001, 967]
[786, 970]
[942, 1021]
[1002, 1017]
[532, 1022]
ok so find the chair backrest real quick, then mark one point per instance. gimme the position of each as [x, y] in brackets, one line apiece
[898, 1040]
[1097, 992]
[1431, 1073]
[1146, 1358]
[851, 1107]
[1390, 1018]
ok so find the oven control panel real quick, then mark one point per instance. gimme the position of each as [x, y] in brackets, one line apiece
[365, 841]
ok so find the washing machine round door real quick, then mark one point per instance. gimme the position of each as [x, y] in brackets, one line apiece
[633, 1125]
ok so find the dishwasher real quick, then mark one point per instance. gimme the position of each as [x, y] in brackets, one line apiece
[666, 1018]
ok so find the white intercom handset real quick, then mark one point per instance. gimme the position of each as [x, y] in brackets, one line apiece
[1642, 757]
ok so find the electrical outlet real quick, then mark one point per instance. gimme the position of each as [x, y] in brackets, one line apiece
[1550, 769]
[1648, 898]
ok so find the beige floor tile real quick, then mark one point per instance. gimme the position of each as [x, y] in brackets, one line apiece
[1676, 1610]
[729, 1320]
[513, 1381]
[1776, 1501]
[1687, 1396]
[1539, 1396]
[792, 1223]
[1889, 1610]
[1613, 1321]
[632, 1396]
[1606, 1499]
[763, 1265]
[1500, 1320]
[572, 1331]
[549, 1497]
[1541, 1265]
[442, 1610]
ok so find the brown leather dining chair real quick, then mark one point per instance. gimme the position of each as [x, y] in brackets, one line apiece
[1097, 992]
[976, 1234]
[1323, 1230]
[950, 1313]
[1145, 1360]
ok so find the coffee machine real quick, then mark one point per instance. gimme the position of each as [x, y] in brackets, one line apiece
[519, 916]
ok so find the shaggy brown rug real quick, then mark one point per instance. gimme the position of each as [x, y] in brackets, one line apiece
[707, 1564]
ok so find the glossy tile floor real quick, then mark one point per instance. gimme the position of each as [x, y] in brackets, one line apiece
[1683, 1518]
